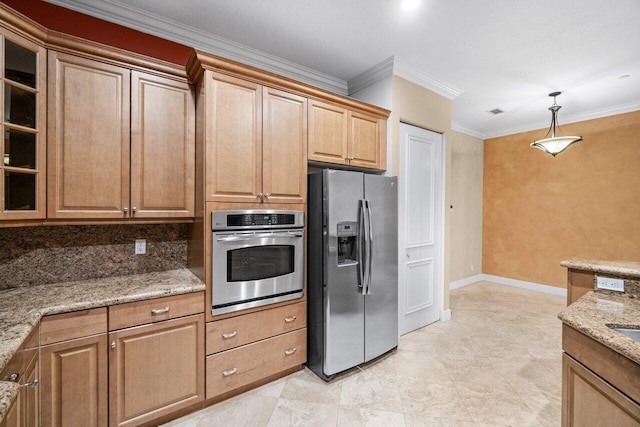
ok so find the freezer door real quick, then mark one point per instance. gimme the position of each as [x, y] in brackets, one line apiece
[343, 299]
[381, 301]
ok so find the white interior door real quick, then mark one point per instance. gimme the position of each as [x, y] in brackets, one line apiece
[420, 230]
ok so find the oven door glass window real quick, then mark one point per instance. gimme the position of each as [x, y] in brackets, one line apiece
[260, 262]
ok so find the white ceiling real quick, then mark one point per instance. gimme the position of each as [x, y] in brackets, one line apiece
[503, 54]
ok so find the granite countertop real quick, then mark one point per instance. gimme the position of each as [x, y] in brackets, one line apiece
[22, 308]
[629, 269]
[596, 309]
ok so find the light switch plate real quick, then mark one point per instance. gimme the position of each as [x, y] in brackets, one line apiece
[610, 283]
[141, 246]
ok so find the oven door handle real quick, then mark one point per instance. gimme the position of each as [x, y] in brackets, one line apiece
[254, 236]
[288, 235]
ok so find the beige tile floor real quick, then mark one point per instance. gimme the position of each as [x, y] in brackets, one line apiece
[497, 362]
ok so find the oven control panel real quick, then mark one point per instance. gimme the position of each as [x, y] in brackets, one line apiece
[225, 220]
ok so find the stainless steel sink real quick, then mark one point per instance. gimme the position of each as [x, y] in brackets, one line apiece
[632, 333]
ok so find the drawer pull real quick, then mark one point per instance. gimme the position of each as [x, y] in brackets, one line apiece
[160, 310]
[229, 372]
[290, 319]
[290, 351]
[229, 335]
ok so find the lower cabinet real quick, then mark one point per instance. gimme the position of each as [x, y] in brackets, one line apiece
[248, 348]
[149, 367]
[74, 382]
[591, 401]
[155, 370]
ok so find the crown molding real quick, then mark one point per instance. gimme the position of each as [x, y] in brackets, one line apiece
[150, 23]
[574, 118]
[419, 77]
[372, 75]
[458, 127]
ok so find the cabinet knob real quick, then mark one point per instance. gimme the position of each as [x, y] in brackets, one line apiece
[260, 195]
[229, 335]
[113, 344]
[229, 372]
[11, 377]
[125, 209]
[290, 351]
[133, 209]
[290, 319]
[266, 195]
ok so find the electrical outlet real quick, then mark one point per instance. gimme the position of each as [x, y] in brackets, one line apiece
[610, 284]
[141, 246]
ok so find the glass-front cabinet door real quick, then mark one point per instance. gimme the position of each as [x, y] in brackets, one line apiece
[23, 88]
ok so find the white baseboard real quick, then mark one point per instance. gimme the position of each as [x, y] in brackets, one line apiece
[466, 281]
[509, 282]
[525, 285]
[445, 315]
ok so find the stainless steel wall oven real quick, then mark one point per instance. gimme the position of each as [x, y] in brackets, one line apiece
[257, 258]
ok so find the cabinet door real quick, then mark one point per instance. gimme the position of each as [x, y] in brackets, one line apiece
[155, 370]
[162, 147]
[284, 147]
[88, 144]
[22, 123]
[365, 137]
[588, 400]
[233, 142]
[74, 382]
[327, 133]
[30, 393]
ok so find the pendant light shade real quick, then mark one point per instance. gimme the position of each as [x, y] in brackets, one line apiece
[556, 144]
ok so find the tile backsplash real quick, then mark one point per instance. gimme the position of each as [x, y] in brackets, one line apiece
[50, 254]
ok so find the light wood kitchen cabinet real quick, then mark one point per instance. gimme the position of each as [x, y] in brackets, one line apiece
[121, 142]
[255, 148]
[23, 126]
[591, 401]
[243, 350]
[23, 369]
[342, 136]
[155, 369]
[599, 386]
[74, 368]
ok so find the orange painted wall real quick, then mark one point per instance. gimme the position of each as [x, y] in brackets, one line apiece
[70, 22]
[539, 210]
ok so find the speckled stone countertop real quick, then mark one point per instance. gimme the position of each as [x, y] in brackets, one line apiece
[630, 269]
[594, 311]
[22, 308]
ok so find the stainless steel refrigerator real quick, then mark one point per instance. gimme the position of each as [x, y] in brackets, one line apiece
[352, 269]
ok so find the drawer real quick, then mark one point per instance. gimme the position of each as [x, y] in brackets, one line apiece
[77, 324]
[236, 331]
[235, 368]
[155, 310]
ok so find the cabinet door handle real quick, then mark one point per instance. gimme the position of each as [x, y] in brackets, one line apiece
[31, 384]
[290, 351]
[229, 335]
[290, 319]
[133, 209]
[229, 372]
[260, 195]
[125, 209]
[113, 344]
[266, 195]
[160, 310]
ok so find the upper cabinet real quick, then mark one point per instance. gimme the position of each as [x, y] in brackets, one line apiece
[347, 137]
[23, 123]
[120, 142]
[255, 142]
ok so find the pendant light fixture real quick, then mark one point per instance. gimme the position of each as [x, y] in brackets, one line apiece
[556, 144]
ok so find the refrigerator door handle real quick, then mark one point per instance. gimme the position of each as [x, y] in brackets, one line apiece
[369, 247]
[361, 247]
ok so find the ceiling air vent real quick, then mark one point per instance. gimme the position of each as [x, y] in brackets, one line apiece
[495, 111]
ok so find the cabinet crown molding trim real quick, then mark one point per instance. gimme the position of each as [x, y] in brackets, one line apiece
[21, 24]
[200, 61]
